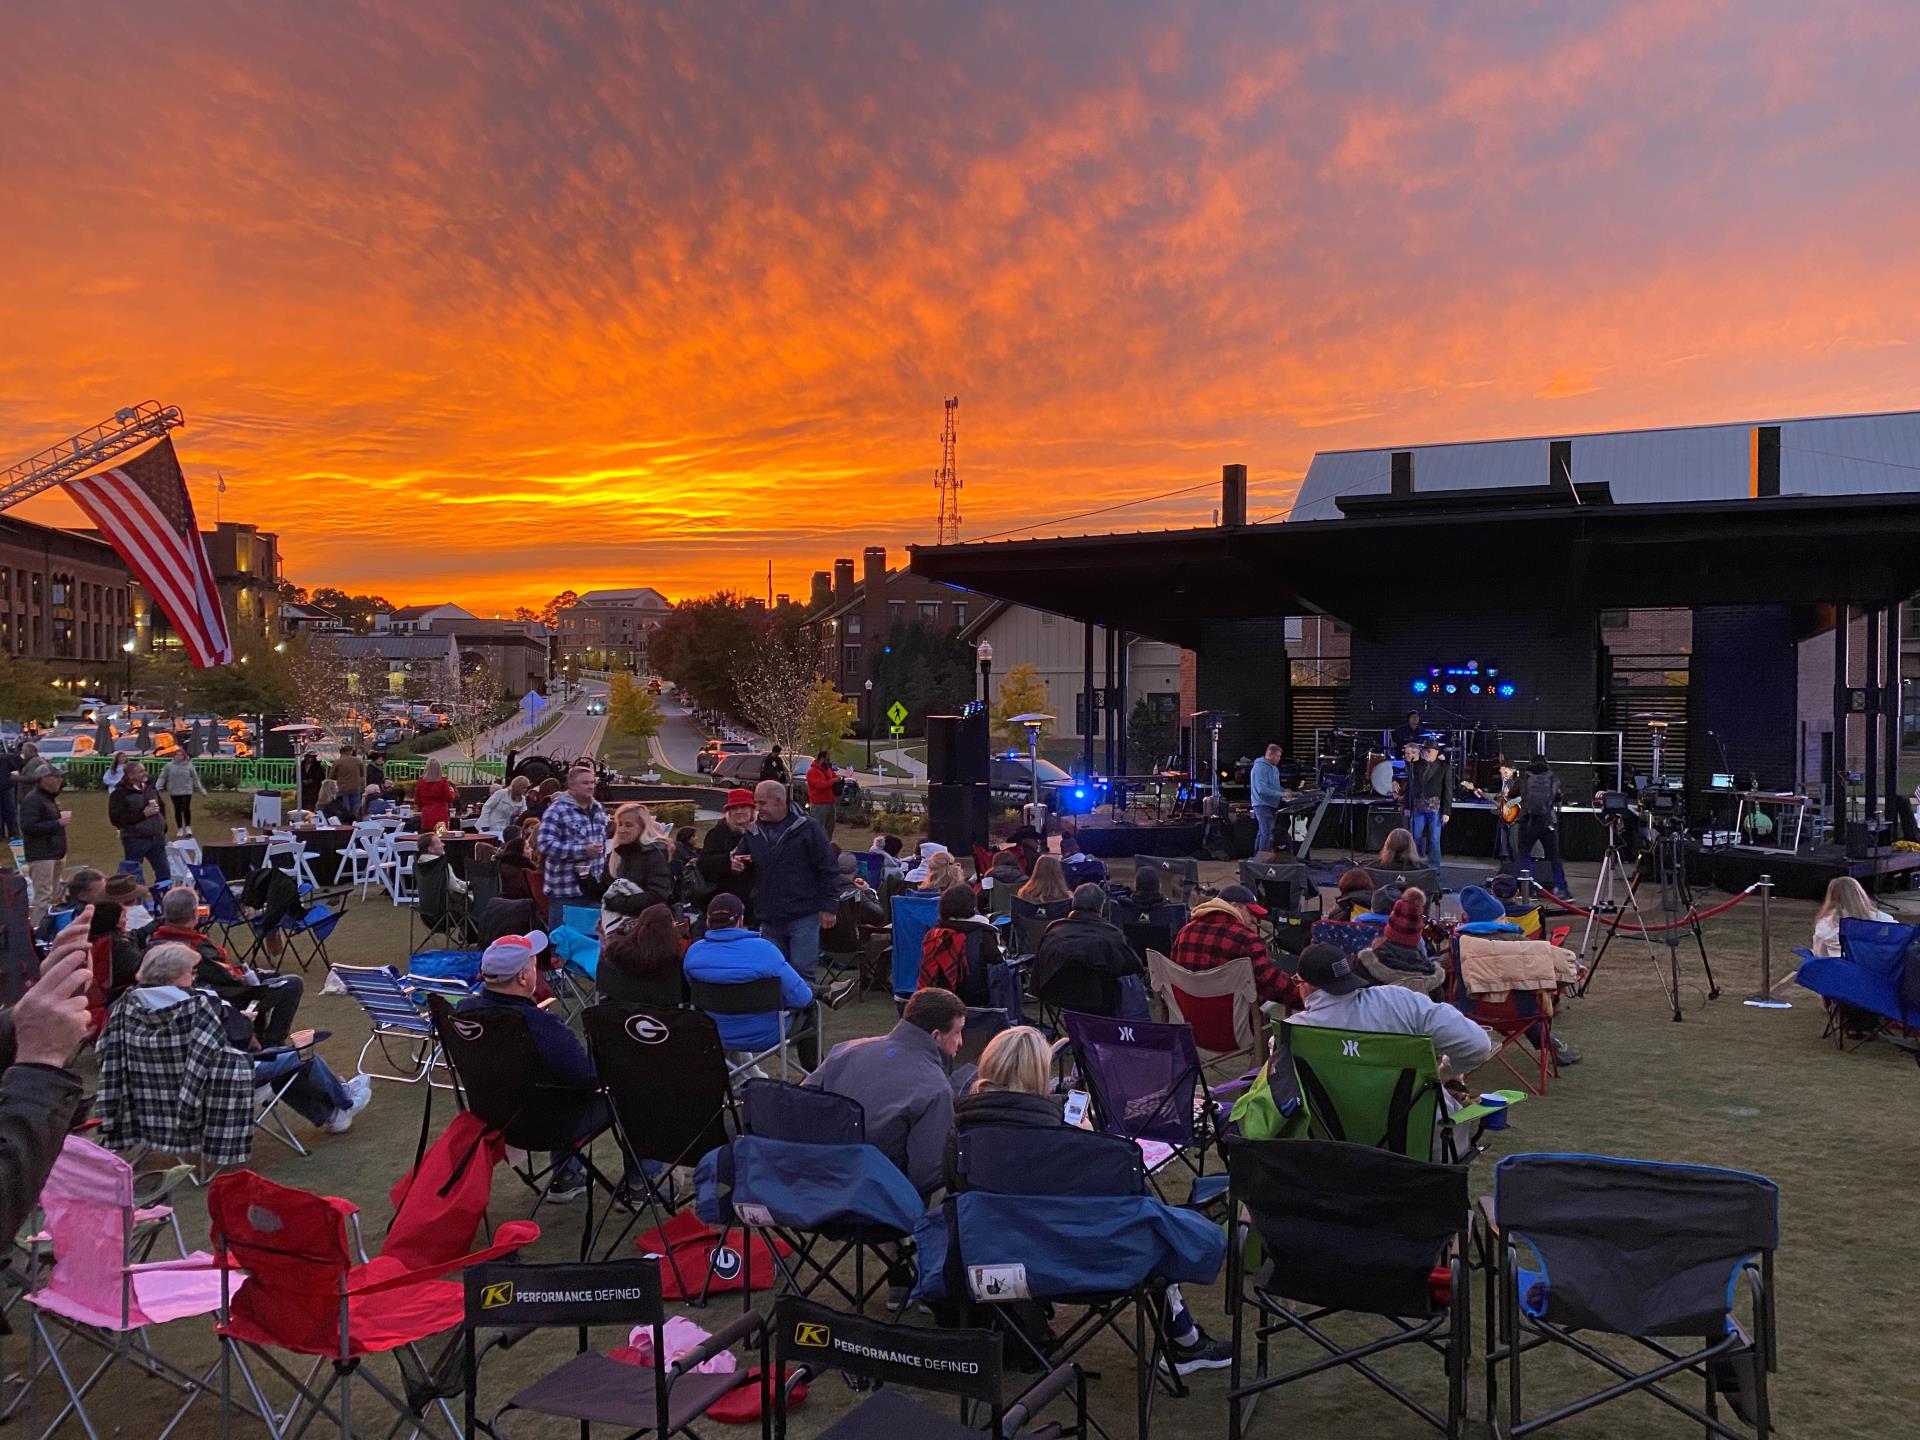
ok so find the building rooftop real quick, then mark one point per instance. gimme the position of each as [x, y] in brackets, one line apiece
[644, 597]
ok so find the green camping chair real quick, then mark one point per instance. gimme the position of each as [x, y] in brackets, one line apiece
[1379, 1090]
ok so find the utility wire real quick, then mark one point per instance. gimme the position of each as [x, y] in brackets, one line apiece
[1103, 510]
[1857, 459]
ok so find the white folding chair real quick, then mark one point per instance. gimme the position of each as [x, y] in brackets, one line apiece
[395, 870]
[284, 846]
[361, 853]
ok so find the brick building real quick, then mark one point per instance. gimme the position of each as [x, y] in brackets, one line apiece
[65, 599]
[852, 619]
[612, 629]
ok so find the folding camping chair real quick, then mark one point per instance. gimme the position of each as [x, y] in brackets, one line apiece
[803, 1168]
[1221, 1007]
[1379, 1090]
[100, 1292]
[267, 1118]
[1522, 1019]
[223, 909]
[396, 1009]
[1347, 1230]
[1066, 1216]
[661, 1399]
[752, 997]
[309, 1289]
[1865, 987]
[306, 937]
[1640, 1249]
[1427, 880]
[444, 913]
[810, 1339]
[499, 1076]
[914, 913]
[1147, 1087]
[1030, 922]
[671, 1098]
[483, 880]
[1349, 937]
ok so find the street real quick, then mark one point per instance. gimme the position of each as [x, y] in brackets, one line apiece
[679, 740]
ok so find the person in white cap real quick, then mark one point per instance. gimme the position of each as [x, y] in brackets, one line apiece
[510, 972]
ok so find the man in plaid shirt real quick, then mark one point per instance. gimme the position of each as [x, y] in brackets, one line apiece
[573, 837]
[1222, 930]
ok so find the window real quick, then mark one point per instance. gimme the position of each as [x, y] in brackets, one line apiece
[63, 638]
[850, 661]
[959, 616]
[1047, 619]
[930, 611]
[896, 613]
[1613, 619]
[853, 622]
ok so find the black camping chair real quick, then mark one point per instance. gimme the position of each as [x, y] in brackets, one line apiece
[666, 1084]
[499, 1076]
[1347, 1230]
[1653, 1252]
[659, 1399]
[809, 1340]
[483, 882]
[1024, 1160]
[1148, 934]
[773, 1110]
[756, 997]
[440, 910]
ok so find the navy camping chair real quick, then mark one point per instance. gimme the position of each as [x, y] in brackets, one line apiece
[1870, 985]
[804, 1170]
[223, 909]
[1655, 1253]
[914, 913]
[1147, 1085]
[1348, 1231]
[1030, 922]
[1349, 937]
[872, 866]
[307, 935]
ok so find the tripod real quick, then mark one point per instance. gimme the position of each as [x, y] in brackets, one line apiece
[1678, 909]
[1614, 878]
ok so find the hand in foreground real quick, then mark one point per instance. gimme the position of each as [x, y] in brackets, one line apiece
[827, 919]
[51, 1019]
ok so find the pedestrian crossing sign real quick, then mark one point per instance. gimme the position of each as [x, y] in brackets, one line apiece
[897, 713]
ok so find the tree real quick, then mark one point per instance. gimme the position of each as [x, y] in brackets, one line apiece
[356, 612]
[701, 646]
[774, 682]
[826, 717]
[475, 701]
[289, 591]
[26, 691]
[632, 711]
[1150, 735]
[255, 685]
[1023, 692]
[550, 612]
[929, 671]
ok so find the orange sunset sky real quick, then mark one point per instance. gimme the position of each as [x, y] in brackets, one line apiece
[478, 300]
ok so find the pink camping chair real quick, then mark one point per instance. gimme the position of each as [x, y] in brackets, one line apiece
[97, 1292]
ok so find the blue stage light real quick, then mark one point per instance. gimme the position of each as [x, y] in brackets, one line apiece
[1419, 687]
[1079, 792]
[1452, 688]
[1474, 689]
[1507, 691]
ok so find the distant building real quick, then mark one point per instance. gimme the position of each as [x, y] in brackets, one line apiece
[416, 619]
[514, 653]
[857, 619]
[246, 571]
[65, 599]
[300, 619]
[611, 629]
[383, 666]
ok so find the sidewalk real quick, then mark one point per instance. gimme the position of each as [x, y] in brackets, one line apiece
[915, 768]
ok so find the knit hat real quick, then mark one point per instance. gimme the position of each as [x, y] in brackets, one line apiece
[848, 865]
[739, 797]
[1481, 906]
[1404, 924]
[1355, 880]
[508, 956]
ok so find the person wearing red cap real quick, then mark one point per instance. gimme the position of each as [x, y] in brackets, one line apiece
[1399, 956]
[1220, 931]
[715, 861]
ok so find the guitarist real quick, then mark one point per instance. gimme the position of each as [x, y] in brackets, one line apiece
[1506, 802]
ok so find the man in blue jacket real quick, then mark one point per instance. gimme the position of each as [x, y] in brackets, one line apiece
[730, 954]
[796, 884]
[1268, 796]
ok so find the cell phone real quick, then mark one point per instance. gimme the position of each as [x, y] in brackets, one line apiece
[106, 919]
[1077, 1102]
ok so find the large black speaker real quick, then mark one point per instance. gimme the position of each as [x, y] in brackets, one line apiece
[957, 816]
[957, 749]
[1382, 820]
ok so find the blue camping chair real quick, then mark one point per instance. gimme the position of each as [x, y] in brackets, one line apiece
[223, 906]
[1655, 1253]
[1870, 977]
[872, 867]
[396, 1009]
[306, 937]
[1349, 937]
[1147, 1085]
[914, 913]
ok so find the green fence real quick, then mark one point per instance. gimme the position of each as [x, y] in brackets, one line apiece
[84, 772]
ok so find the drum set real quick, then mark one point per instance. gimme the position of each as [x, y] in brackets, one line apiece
[1353, 761]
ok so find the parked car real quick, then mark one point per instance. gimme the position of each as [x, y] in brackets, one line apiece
[63, 747]
[714, 749]
[738, 767]
[1010, 778]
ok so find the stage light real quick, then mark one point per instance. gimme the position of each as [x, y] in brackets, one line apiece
[1079, 792]
[1473, 689]
[1433, 670]
[1419, 687]
[1506, 691]
[1452, 688]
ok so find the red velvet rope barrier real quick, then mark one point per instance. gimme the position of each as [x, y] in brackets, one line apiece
[1614, 924]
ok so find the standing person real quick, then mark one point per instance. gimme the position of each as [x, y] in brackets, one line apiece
[32, 767]
[376, 770]
[1506, 813]
[796, 882]
[504, 806]
[774, 767]
[1429, 799]
[573, 837]
[1268, 797]
[822, 787]
[43, 826]
[434, 797]
[312, 771]
[181, 782]
[133, 808]
[715, 861]
[1540, 800]
[351, 776]
[640, 855]
[10, 796]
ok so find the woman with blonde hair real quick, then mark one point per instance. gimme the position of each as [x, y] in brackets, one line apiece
[639, 855]
[943, 873]
[1846, 900]
[504, 806]
[1048, 883]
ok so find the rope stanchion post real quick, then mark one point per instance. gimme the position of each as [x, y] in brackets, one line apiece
[1764, 998]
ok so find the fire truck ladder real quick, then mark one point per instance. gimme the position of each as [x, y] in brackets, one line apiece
[128, 430]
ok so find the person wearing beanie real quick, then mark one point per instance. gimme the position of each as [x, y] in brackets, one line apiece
[1485, 914]
[1399, 956]
[1338, 996]
[1220, 931]
[715, 860]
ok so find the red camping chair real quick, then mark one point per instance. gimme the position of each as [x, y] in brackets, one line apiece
[310, 1290]
[1222, 1006]
[1524, 1019]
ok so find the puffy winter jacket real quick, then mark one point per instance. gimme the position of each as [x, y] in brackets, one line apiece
[734, 957]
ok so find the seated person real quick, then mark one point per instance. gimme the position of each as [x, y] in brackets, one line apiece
[1398, 852]
[1015, 1087]
[1485, 915]
[958, 948]
[1082, 957]
[941, 874]
[900, 1079]
[1147, 902]
[510, 973]
[1028, 846]
[373, 804]
[890, 846]
[855, 892]
[164, 980]
[1846, 899]
[1338, 996]
[1399, 956]
[1355, 895]
[1079, 867]
[1007, 870]
[1379, 906]
[114, 956]
[275, 998]
[328, 805]
[1222, 930]
[730, 954]
[640, 960]
[83, 887]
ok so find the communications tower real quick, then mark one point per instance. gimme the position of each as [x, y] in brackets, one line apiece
[946, 480]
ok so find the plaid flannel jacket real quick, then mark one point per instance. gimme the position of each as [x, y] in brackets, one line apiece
[169, 1079]
[1213, 938]
[566, 830]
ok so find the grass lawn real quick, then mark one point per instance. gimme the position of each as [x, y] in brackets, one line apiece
[1730, 1086]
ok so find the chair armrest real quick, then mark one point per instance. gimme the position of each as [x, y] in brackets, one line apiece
[505, 1340]
[741, 1327]
[1037, 1398]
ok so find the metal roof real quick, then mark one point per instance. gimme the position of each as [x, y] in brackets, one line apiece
[1833, 455]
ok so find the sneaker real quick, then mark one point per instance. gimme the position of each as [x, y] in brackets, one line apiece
[1564, 1053]
[341, 1123]
[360, 1090]
[566, 1189]
[838, 995]
[1201, 1353]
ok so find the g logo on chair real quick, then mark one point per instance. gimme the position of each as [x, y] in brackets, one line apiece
[469, 1029]
[647, 1030]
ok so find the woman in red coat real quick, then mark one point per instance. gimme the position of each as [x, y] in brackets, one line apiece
[435, 796]
[820, 797]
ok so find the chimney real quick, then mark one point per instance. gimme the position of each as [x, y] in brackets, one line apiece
[876, 569]
[1763, 454]
[822, 595]
[1402, 474]
[1233, 495]
[842, 583]
[1560, 464]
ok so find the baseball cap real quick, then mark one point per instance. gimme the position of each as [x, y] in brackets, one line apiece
[1325, 967]
[739, 797]
[724, 909]
[1243, 897]
[508, 956]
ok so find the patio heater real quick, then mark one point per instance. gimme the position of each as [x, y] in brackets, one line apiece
[1035, 814]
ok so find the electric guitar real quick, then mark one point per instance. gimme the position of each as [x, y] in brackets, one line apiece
[1509, 808]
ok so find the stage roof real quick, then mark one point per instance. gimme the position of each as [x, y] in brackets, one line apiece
[1486, 552]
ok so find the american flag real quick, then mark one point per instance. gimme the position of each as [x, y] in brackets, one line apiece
[143, 511]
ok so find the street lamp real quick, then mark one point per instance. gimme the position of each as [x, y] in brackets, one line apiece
[985, 653]
[126, 693]
[869, 727]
